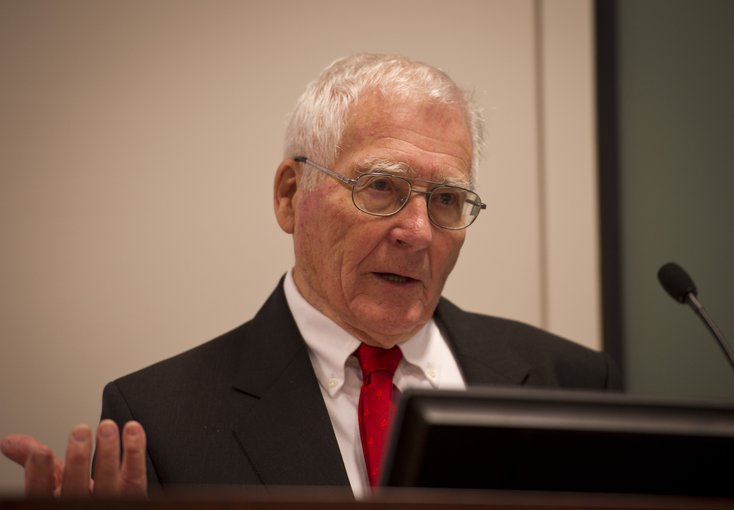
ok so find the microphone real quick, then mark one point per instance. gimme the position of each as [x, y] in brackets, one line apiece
[680, 286]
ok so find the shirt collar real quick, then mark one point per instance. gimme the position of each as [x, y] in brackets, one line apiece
[330, 346]
[426, 351]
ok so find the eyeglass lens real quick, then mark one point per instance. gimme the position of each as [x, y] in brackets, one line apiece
[448, 206]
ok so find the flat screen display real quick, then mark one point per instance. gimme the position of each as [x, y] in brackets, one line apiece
[557, 440]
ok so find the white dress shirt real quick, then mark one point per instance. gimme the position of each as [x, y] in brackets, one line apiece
[427, 363]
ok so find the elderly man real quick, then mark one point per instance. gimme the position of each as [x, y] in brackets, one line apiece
[376, 190]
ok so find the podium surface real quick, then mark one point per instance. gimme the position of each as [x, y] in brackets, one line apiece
[393, 499]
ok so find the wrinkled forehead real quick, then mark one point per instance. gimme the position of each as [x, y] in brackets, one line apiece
[408, 136]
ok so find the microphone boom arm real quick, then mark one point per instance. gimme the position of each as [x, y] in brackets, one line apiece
[697, 307]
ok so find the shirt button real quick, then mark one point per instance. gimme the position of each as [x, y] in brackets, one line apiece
[431, 373]
[333, 383]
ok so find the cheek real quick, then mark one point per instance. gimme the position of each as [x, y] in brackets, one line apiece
[307, 235]
[447, 255]
[320, 231]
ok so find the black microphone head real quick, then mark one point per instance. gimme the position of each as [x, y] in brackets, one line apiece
[676, 281]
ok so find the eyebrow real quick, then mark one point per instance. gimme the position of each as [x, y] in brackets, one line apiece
[402, 169]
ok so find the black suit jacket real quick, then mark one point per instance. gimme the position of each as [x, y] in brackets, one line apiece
[245, 408]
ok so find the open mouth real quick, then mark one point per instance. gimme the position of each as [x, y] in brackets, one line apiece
[395, 278]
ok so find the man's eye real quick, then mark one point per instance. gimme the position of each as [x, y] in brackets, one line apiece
[447, 198]
[380, 184]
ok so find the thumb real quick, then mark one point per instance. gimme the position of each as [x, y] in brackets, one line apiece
[18, 447]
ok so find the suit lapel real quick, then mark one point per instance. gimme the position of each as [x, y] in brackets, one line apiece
[283, 426]
[481, 352]
[282, 423]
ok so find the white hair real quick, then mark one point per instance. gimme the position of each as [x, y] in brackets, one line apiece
[319, 118]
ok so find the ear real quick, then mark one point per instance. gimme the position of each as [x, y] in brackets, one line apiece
[284, 193]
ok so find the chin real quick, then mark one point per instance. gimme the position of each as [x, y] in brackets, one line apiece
[396, 325]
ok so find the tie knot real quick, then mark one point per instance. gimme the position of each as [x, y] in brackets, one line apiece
[376, 359]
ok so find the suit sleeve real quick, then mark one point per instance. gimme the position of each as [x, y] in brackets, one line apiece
[115, 407]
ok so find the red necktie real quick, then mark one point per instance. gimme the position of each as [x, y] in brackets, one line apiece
[376, 402]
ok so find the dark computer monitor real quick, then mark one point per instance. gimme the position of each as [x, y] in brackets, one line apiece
[555, 440]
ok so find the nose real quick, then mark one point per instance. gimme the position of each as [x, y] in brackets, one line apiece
[412, 228]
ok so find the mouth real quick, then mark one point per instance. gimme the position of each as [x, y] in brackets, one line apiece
[395, 278]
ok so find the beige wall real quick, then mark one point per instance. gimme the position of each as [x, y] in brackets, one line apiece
[138, 144]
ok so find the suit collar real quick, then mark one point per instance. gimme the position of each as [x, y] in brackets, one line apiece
[481, 352]
[283, 426]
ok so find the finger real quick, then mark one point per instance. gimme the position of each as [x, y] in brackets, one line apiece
[39, 473]
[75, 482]
[18, 447]
[107, 460]
[133, 479]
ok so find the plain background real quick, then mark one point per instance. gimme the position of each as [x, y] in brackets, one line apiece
[676, 108]
[138, 143]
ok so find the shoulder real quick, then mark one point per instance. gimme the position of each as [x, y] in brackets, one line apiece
[544, 359]
[510, 333]
[215, 362]
[193, 375]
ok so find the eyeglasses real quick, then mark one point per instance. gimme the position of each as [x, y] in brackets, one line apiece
[383, 194]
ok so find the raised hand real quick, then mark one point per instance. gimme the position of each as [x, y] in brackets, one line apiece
[47, 476]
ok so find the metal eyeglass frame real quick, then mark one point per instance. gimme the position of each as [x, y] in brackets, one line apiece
[478, 205]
